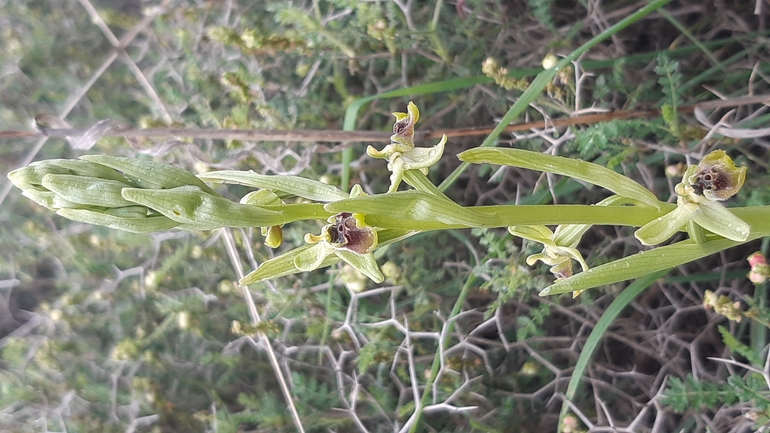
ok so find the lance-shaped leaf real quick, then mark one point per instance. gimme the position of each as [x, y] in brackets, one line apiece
[133, 224]
[192, 206]
[574, 168]
[150, 174]
[290, 185]
[87, 190]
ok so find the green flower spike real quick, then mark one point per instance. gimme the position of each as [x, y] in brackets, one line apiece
[348, 237]
[716, 178]
[401, 153]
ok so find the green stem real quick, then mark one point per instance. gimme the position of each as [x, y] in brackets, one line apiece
[302, 211]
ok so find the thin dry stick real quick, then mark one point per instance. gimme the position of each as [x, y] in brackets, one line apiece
[232, 252]
[336, 136]
[143, 81]
[124, 41]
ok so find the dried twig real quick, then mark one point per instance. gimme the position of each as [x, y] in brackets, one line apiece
[337, 136]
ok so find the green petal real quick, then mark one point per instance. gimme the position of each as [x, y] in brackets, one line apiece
[311, 258]
[423, 157]
[32, 175]
[715, 218]
[364, 263]
[662, 228]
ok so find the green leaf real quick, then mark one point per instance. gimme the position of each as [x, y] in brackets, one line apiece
[575, 168]
[293, 185]
[740, 348]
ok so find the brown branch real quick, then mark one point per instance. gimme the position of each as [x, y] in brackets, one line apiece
[377, 136]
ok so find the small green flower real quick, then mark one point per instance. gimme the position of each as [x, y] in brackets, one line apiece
[559, 249]
[401, 153]
[348, 237]
[716, 178]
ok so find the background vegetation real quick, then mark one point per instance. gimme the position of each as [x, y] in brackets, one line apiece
[108, 331]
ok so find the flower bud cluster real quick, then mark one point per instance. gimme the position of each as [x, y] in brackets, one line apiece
[760, 270]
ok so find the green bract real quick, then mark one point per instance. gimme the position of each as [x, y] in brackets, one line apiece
[575, 168]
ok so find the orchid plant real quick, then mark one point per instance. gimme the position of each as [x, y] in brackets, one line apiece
[146, 196]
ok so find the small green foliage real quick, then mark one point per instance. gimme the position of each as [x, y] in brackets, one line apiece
[692, 393]
[670, 81]
[532, 325]
[736, 346]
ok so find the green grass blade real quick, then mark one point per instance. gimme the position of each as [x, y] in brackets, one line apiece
[616, 307]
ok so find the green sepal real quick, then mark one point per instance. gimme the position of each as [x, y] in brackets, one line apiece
[150, 174]
[87, 190]
[311, 258]
[134, 225]
[282, 265]
[190, 205]
[662, 228]
[574, 168]
[717, 219]
[292, 185]
[364, 263]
